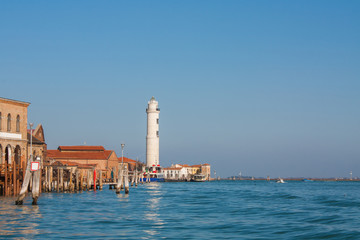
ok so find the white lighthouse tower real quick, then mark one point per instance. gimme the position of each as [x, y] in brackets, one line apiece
[152, 137]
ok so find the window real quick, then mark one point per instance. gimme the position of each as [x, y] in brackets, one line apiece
[157, 133]
[157, 121]
[0, 120]
[9, 123]
[18, 123]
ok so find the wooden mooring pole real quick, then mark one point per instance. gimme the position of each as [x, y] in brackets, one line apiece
[14, 178]
[100, 180]
[126, 180]
[77, 180]
[36, 186]
[81, 181]
[120, 180]
[58, 181]
[20, 199]
[136, 178]
[35, 183]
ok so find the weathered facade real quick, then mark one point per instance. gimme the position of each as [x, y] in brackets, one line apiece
[187, 171]
[206, 171]
[13, 131]
[13, 144]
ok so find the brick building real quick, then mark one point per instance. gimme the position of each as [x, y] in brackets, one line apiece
[39, 146]
[101, 159]
[13, 131]
[15, 144]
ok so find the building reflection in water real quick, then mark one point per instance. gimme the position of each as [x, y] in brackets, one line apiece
[17, 220]
[152, 215]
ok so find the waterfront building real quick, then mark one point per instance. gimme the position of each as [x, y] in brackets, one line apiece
[175, 173]
[187, 168]
[195, 169]
[97, 156]
[13, 131]
[172, 173]
[206, 171]
[203, 169]
[15, 144]
[152, 137]
[189, 171]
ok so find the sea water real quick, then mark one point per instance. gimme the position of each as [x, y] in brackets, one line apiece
[191, 210]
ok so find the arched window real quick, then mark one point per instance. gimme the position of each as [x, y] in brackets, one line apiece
[9, 123]
[18, 123]
[0, 120]
[17, 156]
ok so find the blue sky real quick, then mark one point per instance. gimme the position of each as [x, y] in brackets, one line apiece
[262, 87]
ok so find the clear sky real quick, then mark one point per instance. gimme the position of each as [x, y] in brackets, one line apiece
[257, 87]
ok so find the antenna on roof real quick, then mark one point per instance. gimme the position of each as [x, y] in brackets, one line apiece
[85, 143]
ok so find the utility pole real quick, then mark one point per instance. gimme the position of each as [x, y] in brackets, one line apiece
[31, 125]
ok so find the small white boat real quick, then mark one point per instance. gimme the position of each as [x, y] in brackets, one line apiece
[280, 180]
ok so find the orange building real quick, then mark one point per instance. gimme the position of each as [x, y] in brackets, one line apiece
[104, 160]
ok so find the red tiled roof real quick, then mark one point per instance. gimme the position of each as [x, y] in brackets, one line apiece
[196, 166]
[127, 160]
[79, 155]
[81, 148]
[184, 165]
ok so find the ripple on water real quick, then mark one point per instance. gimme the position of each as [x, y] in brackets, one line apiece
[211, 210]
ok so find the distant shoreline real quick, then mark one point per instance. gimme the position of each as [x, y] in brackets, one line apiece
[289, 179]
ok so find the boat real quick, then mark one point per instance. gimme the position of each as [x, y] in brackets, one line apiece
[154, 174]
[155, 177]
[307, 180]
[280, 180]
[198, 178]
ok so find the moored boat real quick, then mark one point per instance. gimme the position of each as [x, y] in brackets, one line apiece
[155, 177]
[198, 178]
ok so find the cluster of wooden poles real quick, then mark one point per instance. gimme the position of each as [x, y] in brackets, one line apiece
[10, 178]
[35, 176]
[126, 178]
[70, 179]
[62, 178]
